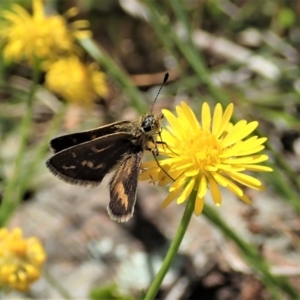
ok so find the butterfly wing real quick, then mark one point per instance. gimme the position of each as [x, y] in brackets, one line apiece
[88, 163]
[123, 187]
[66, 141]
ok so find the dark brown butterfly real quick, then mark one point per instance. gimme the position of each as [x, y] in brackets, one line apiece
[84, 158]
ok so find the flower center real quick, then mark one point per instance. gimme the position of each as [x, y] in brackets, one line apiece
[202, 149]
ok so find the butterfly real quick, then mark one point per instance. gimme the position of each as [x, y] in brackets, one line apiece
[85, 158]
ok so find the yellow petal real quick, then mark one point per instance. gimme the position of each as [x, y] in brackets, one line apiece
[257, 168]
[182, 117]
[175, 123]
[164, 180]
[194, 124]
[183, 165]
[170, 198]
[167, 138]
[38, 10]
[225, 120]
[228, 168]
[206, 116]
[245, 180]
[217, 118]
[215, 191]
[250, 151]
[199, 204]
[186, 192]
[150, 174]
[238, 132]
[246, 160]
[245, 199]
[192, 172]
[202, 189]
[225, 182]
[177, 184]
[72, 12]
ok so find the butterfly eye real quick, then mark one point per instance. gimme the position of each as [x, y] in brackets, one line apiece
[148, 123]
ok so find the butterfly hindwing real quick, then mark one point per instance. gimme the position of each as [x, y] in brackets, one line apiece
[123, 187]
[89, 162]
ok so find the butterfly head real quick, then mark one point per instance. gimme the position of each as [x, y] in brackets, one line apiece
[151, 124]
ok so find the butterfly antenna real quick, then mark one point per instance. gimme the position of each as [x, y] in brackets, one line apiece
[162, 85]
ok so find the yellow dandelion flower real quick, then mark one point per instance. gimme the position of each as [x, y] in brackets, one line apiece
[207, 155]
[26, 37]
[21, 260]
[75, 81]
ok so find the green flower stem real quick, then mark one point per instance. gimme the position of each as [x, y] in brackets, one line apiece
[273, 283]
[100, 55]
[9, 203]
[153, 290]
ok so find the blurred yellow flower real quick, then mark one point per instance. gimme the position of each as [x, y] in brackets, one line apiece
[26, 37]
[75, 81]
[21, 260]
[204, 156]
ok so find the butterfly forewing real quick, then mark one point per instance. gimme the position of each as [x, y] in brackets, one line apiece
[66, 141]
[123, 187]
[89, 162]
